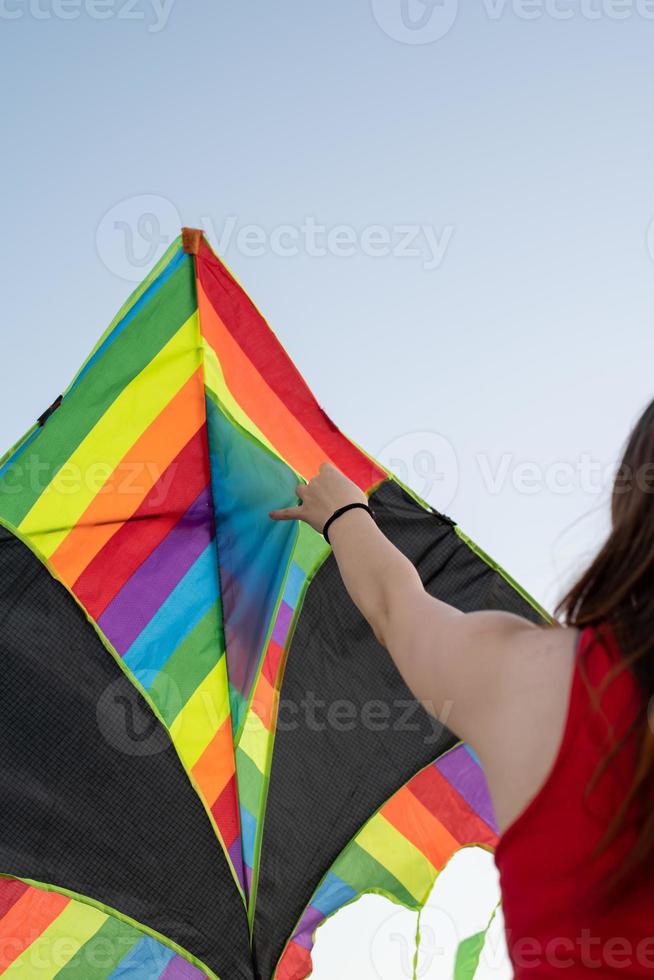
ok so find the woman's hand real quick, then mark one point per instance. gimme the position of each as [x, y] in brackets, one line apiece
[320, 497]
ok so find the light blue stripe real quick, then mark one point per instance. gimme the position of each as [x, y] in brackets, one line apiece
[294, 585]
[248, 835]
[145, 961]
[192, 599]
[19, 451]
[332, 894]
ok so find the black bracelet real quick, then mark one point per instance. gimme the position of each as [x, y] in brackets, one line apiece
[339, 512]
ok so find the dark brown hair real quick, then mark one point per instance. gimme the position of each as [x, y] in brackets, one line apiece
[618, 591]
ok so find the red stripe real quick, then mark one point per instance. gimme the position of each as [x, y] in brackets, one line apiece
[258, 342]
[10, 892]
[271, 662]
[449, 807]
[136, 539]
[295, 964]
[225, 813]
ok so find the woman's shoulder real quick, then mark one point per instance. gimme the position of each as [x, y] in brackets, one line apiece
[529, 724]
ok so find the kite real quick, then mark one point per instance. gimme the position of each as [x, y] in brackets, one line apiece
[204, 752]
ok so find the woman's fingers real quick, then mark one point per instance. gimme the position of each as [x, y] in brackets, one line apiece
[287, 514]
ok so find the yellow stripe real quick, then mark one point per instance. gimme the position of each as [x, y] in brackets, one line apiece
[73, 488]
[214, 379]
[202, 715]
[254, 740]
[399, 856]
[59, 943]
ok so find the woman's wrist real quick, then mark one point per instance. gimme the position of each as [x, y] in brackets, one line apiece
[341, 512]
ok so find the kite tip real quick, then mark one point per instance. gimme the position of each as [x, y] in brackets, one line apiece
[191, 238]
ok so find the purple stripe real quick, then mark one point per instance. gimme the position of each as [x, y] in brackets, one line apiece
[248, 879]
[181, 969]
[236, 857]
[310, 922]
[151, 584]
[466, 776]
[282, 623]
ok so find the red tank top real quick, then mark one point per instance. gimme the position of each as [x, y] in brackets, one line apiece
[548, 873]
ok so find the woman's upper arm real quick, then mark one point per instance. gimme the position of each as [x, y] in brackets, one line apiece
[460, 666]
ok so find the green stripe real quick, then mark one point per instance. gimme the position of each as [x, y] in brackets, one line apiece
[133, 299]
[86, 403]
[250, 782]
[192, 661]
[97, 958]
[364, 873]
[238, 707]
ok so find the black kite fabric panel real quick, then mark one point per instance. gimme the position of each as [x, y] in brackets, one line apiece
[93, 798]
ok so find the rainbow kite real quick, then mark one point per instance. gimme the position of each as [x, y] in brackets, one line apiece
[204, 752]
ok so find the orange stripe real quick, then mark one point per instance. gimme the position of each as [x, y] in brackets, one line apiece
[263, 702]
[257, 399]
[418, 825]
[26, 921]
[216, 765]
[133, 478]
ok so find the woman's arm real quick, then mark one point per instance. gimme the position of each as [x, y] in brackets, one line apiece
[455, 663]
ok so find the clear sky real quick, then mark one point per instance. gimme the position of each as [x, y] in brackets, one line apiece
[444, 211]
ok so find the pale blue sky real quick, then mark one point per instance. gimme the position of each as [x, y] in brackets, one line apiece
[525, 147]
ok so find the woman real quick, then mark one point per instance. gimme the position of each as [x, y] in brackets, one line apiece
[557, 715]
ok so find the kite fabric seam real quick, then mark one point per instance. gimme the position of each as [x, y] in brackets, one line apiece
[134, 682]
[120, 916]
[505, 575]
[216, 551]
[260, 445]
[271, 742]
